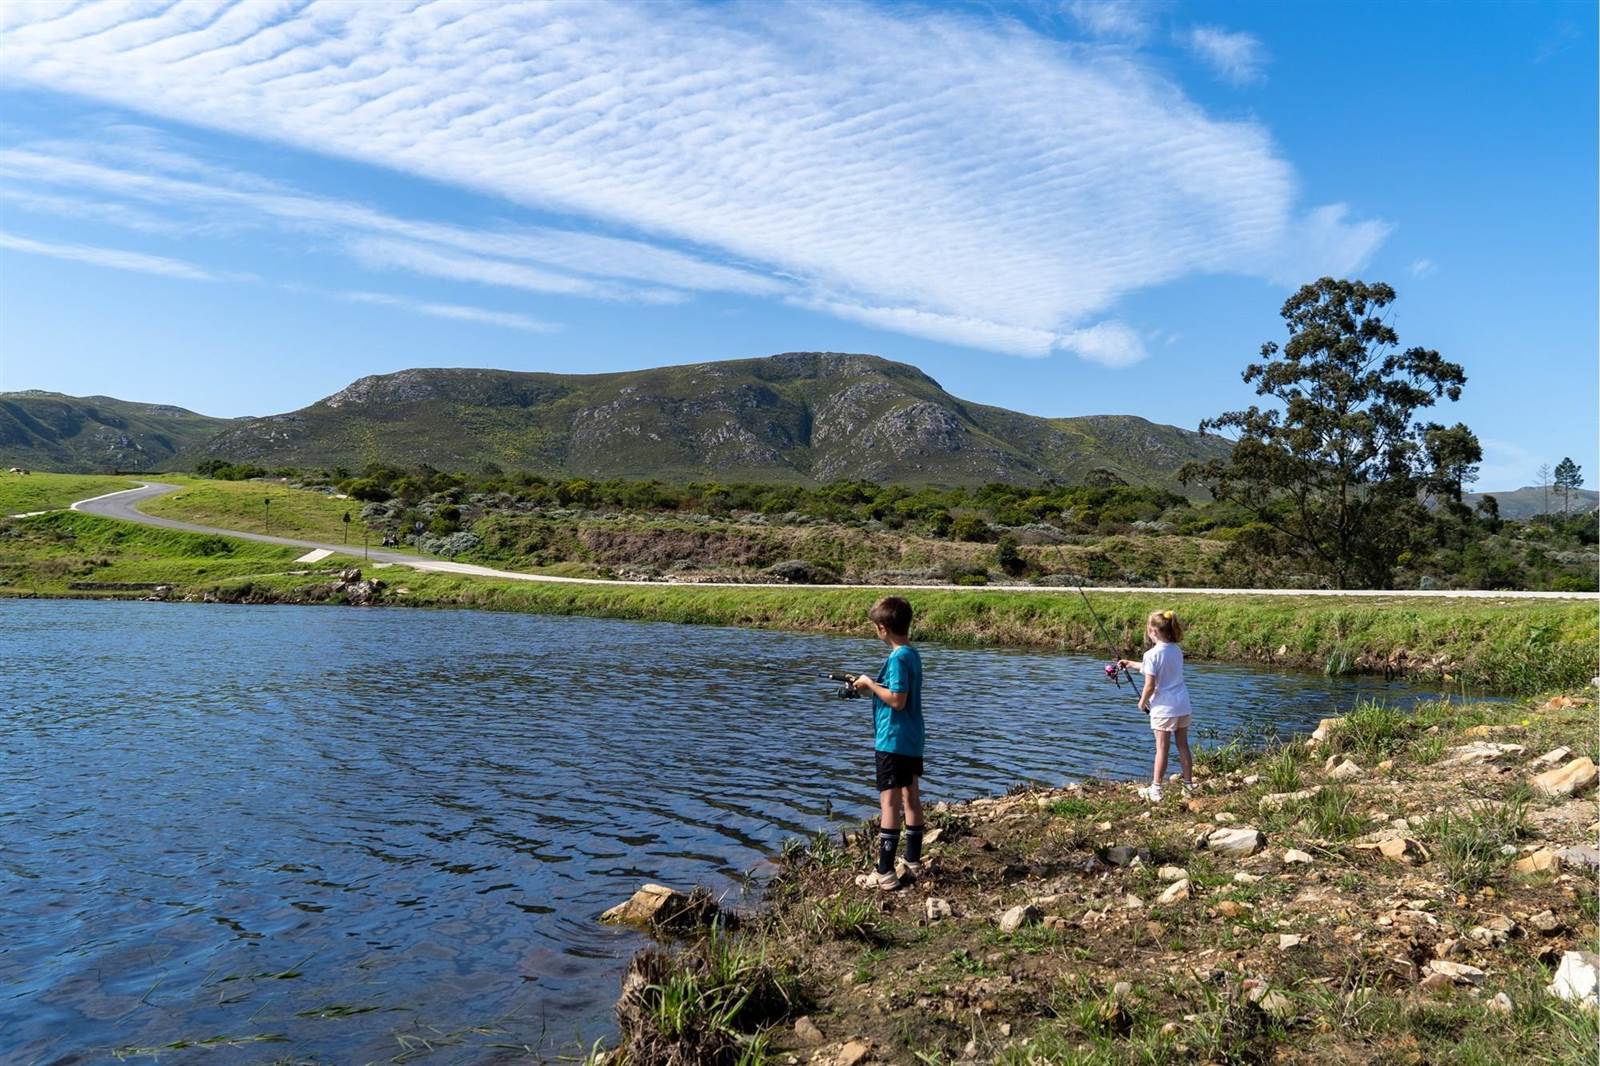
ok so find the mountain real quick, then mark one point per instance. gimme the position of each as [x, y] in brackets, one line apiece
[49, 431]
[1532, 500]
[801, 416]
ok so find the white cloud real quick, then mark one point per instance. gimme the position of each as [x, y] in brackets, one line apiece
[457, 312]
[938, 174]
[1423, 268]
[1506, 465]
[115, 258]
[1126, 19]
[1238, 58]
[1325, 243]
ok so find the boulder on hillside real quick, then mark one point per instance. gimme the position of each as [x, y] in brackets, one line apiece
[800, 572]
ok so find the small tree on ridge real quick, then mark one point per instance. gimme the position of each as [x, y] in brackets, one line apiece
[1337, 467]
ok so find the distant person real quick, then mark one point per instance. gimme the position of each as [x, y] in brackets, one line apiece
[1165, 697]
[897, 720]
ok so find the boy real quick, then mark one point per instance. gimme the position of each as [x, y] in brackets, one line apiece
[897, 716]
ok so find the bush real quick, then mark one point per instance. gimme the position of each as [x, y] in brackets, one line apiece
[1008, 558]
[971, 527]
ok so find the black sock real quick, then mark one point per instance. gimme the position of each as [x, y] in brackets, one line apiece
[913, 843]
[888, 841]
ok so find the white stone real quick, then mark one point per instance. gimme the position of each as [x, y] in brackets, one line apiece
[1287, 941]
[1019, 916]
[1346, 771]
[1575, 777]
[1172, 873]
[1480, 752]
[1577, 978]
[1459, 972]
[1176, 892]
[1239, 843]
[1551, 758]
[1293, 855]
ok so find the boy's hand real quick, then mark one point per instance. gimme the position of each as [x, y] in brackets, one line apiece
[862, 683]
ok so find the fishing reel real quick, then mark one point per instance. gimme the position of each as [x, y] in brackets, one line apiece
[847, 688]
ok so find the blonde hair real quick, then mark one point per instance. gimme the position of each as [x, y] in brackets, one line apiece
[1166, 625]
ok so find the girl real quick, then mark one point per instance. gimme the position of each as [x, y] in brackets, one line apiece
[1165, 697]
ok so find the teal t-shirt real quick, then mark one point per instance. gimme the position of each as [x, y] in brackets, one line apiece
[900, 731]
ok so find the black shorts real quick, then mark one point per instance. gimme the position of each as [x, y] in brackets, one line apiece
[896, 770]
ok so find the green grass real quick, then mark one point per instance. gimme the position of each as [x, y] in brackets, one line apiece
[23, 494]
[1511, 646]
[1469, 842]
[48, 553]
[240, 505]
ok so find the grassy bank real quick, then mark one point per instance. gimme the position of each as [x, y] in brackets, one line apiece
[1402, 908]
[1510, 645]
[242, 505]
[26, 493]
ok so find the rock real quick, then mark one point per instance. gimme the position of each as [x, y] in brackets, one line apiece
[658, 905]
[1293, 855]
[1493, 730]
[1401, 849]
[1576, 777]
[852, 1053]
[1346, 771]
[1434, 982]
[1324, 729]
[1246, 879]
[1276, 800]
[1055, 921]
[1551, 758]
[806, 1031]
[1172, 873]
[1586, 855]
[1250, 780]
[1543, 861]
[1446, 948]
[1123, 855]
[1482, 752]
[1495, 931]
[1019, 916]
[1385, 766]
[1132, 902]
[1236, 843]
[1577, 978]
[932, 836]
[1459, 972]
[1231, 908]
[1546, 922]
[1276, 1004]
[937, 909]
[1176, 892]
[1287, 941]
[1224, 817]
[1122, 988]
[1501, 1004]
[1170, 1029]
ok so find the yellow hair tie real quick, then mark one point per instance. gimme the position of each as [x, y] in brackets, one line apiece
[1167, 615]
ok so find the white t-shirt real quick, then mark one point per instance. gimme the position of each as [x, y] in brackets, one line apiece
[1164, 662]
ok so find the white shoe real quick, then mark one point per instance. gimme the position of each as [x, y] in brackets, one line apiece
[882, 882]
[1190, 788]
[1151, 793]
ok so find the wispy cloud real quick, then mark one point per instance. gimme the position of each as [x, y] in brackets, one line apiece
[1239, 58]
[115, 258]
[1124, 19]
[1423, 268]
[457, 312]
[940, 175]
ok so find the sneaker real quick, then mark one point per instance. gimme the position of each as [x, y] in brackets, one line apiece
[1190, 788]
[905, 868]
[882, 882]
[1151, 793]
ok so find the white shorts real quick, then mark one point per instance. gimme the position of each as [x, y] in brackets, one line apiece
[1168, 725]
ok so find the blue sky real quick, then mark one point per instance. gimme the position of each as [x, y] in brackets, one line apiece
[1063, 208]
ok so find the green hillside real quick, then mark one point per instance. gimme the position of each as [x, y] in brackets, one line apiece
[798, 417]
[91, 434]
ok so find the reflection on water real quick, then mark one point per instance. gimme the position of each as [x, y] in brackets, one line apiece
[363, 832]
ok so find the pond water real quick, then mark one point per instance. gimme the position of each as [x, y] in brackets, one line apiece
[352, 835]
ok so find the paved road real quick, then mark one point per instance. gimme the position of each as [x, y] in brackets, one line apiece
[123, 505]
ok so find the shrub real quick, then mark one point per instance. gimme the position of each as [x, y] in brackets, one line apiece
[1008, 558]
[971, 527]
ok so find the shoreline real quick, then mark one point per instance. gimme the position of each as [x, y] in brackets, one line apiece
[1504, 647]
[1388, 903]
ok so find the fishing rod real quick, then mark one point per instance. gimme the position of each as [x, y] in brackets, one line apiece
[1116, 659]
